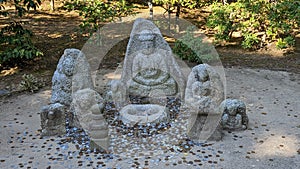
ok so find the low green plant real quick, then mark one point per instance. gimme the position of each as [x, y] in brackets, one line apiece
[285, 43]
[250, 40]
[290, 41]
[194, 49]
[30, 83]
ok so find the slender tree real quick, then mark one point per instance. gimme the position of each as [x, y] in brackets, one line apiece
[52, 7]
[150, 4]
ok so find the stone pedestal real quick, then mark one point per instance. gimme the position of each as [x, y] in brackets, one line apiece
[144, 113]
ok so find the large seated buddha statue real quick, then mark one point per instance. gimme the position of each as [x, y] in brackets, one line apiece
[150, 74]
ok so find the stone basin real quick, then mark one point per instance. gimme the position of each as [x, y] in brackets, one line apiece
[143, 113]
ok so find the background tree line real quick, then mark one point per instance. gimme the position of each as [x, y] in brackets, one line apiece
[259, 22]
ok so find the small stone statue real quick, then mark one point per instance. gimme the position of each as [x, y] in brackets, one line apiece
[53, 120]
[203, 95]
[234, 115]
[98, 128]
[87, 107]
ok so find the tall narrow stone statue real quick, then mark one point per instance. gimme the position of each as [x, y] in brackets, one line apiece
[88, 106]
[73, 91]
[61, 97]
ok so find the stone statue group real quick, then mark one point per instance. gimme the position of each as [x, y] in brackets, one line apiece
[151, 74]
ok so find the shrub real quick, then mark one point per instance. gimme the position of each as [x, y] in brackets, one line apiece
[286, 42]
[16, 46]
[194, 49]
[259, 21]
[96, 12]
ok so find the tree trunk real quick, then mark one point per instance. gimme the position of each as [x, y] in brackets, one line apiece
[52, 5]
[169, 18]
[151, 9]
[177, 17]
[177, 11]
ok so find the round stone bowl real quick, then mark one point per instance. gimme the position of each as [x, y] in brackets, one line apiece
[143, 113]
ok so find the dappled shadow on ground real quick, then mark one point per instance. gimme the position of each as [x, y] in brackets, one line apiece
[236, 57]
[56, 31]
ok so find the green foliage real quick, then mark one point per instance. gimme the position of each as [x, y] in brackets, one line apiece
[185, 3]
[15, 41]
[250, 40]
[15, 44]
[96, 12]
[21, 6]
[286, 42]
[194, 49]
[30, 83]
[259, 21]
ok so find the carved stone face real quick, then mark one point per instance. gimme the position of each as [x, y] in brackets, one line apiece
[147, 40]
[148, 47]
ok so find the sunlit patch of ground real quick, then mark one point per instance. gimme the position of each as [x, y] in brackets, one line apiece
[10, 71]
[285, 146]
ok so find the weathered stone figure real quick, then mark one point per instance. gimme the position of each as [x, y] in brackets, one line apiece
[61, 94]
[72, 91]
[234, 115]
[62, 78]
[98, 128]
[88, 106]
[203, 95]
[150, 73]
[149, 69]
[53, 120]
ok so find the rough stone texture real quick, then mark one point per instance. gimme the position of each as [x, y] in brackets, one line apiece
[234, 115]
[98, 128]
[83, 101]
[153, 83]
[203, 95]
[149, 69]
[142, 114]
[72, 74]
[53, 119]
[87, 107]
[82, 74]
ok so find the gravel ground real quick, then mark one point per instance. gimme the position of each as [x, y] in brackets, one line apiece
[272, 140]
